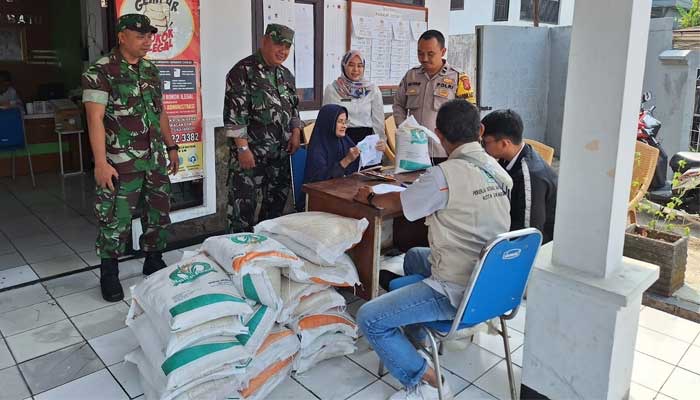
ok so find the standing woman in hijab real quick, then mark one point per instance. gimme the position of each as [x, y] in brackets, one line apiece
[331, 153]
[362, 99]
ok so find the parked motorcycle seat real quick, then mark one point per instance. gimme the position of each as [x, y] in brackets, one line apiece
[692, 160]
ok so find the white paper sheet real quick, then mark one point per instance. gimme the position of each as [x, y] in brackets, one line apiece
[401, 30]
[368, 151]
[304, 46]
[383, 188]
[362, 26]
[417, 28]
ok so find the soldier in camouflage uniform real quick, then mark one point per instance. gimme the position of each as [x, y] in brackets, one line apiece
[262, 118]
[129, 132]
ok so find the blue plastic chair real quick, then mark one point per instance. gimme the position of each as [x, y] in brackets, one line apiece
[297, 163]
[495, 289]
[13, 137]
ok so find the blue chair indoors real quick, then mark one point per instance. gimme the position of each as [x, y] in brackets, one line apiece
[297, 162]
[13, 138]
[495, 289]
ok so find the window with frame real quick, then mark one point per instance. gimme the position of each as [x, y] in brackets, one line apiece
[306, 59]
[500, 10]
[549, 11]
[456, 5]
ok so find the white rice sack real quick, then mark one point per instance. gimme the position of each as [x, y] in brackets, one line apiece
[244, 253]
[259, 325]
[263, 384]
[327, 346]
[319, 302]
[343, 274]
[327, 235]
[154, 382]
[219, 355]
[261, 287]
[190, 293]
[157, 341]
[313, 326]
[279, 345]
[412, 146]
[292, 293]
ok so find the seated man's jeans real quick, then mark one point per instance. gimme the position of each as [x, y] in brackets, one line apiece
[381, 319]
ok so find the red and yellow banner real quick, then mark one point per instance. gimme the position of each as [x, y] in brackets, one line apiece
[176, 52]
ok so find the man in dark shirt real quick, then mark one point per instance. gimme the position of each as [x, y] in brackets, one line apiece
[534, 194]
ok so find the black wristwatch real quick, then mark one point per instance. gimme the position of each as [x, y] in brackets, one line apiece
[370, 196]
[173, 147]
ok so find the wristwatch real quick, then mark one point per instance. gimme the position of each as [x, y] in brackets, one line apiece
[171, 148]
[242, 149]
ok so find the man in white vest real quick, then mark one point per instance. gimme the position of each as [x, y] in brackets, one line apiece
[466, 203]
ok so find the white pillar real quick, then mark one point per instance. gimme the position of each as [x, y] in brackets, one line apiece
[584, 298]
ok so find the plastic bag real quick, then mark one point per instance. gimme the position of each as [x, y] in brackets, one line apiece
[412, 146]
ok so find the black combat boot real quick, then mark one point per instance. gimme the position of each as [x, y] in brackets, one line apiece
[109, 280]
[153, 262]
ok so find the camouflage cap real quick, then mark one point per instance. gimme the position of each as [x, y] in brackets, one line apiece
[280, 33]
[136, 22]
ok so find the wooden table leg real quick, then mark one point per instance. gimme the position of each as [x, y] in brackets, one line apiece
[366, 255]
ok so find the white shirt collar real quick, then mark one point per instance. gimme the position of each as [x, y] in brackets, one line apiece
[512, 162]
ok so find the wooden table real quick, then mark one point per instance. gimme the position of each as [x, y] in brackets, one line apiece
[336, 196]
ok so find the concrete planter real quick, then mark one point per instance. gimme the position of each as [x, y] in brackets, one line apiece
[667, 250]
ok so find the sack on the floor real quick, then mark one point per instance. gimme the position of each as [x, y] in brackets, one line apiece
[412, 146]
[259, 325]
[261, 287]
[292, 293]
[190, 293]
[154, 382]
[327, 235]
[319, 302]
[328, 345]
[279, 345]
[262, 385]
[313, 326]
[342, 274]
[244, 253]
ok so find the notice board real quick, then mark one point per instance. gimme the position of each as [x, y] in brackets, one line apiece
[387, 36]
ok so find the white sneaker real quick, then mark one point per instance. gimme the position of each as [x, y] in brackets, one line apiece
[424, 392]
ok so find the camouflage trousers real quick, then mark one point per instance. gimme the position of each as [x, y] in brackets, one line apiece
[257, 194]
[149, 190]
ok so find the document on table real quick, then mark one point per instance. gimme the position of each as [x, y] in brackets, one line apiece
[383, 188]
[368, 151]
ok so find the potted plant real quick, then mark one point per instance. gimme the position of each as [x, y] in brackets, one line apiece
[660, 243]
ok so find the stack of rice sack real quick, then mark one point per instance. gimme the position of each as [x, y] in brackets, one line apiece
[254, 262]
[188, 319]
[310, 304]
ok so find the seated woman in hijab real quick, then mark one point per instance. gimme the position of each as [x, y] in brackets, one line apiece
[331, 153]
[362, 99]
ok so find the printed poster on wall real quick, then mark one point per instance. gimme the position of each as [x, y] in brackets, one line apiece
[176, 53]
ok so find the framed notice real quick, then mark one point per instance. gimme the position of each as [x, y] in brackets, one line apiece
[176, 53]
[12, 44]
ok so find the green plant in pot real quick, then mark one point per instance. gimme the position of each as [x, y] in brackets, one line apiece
[663, 241]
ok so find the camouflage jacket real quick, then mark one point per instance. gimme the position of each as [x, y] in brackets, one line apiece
[133, 102]
[258, 96]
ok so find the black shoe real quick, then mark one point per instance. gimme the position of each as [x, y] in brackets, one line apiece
[153, 262]
[385, 278]
[109, 280]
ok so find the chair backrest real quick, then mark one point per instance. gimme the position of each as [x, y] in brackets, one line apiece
[12, 131]
[643, 172]
[546, 152]
[500, 276]
[390, 130]
[297, 162]
[308, 130]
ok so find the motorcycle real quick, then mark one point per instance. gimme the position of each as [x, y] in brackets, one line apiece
[685, 166]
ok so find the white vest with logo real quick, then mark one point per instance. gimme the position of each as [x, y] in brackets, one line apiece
[478, 209]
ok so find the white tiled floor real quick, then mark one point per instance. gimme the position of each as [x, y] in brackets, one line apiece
[70, 344]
